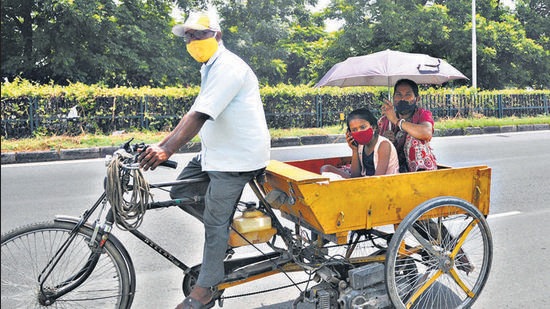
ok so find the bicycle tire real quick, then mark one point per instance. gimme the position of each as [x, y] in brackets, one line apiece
[27, 250]
[440, 256]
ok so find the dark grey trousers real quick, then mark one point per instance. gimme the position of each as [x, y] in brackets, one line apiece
[221, 192]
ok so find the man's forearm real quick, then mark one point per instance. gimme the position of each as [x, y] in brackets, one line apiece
[187, 128]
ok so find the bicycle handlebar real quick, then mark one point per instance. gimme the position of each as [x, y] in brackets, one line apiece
[139, 147]
[170, 164]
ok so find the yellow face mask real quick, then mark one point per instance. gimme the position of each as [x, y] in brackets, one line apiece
[202, 50]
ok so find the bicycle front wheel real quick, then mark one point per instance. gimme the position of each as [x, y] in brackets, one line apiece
[27, 250]
[440, 256]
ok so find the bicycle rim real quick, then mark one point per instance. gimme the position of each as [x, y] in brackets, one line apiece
[27, 250]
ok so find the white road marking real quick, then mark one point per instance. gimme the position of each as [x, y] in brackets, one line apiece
[505, 214]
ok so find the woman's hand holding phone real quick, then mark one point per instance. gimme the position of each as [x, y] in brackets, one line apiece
[349, 138]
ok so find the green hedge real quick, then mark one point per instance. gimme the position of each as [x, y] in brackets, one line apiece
[29, 109]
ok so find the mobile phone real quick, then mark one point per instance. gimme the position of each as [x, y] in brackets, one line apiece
[354, 143]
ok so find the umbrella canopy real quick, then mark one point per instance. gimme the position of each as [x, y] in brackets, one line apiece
[386, 67]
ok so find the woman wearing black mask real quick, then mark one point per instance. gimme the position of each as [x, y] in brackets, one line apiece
[409, 127]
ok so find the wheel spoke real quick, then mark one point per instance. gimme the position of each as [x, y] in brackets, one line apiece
[423, 288]
[462, 238]
[461, 283]
[426, 244]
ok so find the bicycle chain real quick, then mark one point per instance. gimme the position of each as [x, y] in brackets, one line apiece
[274, 289]
[264, 291]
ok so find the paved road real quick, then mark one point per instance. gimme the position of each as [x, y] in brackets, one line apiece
[520, 213]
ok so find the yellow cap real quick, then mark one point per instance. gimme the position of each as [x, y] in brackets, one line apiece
[201, 20]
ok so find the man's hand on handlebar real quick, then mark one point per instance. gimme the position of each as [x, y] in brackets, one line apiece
[152, 156]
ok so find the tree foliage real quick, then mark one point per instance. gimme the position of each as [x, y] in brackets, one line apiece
[272, 36]
[129, 43]
[534, 15]
[113, 42]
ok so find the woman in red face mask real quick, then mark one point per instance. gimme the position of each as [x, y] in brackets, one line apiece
[372, 154]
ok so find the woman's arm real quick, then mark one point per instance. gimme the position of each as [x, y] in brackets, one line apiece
[355, 168]
[422, 131]
[384, 152]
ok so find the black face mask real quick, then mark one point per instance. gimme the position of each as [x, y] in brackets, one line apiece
[404, 108]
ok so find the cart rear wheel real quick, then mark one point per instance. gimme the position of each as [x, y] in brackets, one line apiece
[440, 256]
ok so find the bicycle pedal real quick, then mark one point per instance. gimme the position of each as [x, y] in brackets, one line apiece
[229, 254]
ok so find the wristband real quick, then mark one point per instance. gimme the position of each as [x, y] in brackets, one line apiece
[400, 124]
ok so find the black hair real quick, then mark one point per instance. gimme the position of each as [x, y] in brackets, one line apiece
[365, 114]
[409, 82]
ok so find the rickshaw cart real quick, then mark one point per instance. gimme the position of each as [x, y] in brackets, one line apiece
[441, 251]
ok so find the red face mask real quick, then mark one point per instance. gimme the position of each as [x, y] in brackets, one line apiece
[363, 137]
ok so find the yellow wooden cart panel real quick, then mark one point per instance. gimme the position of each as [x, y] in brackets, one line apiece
[339, 206]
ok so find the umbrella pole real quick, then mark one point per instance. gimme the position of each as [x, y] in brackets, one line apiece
[389, 99]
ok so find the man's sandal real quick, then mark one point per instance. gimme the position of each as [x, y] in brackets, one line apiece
[191, 303]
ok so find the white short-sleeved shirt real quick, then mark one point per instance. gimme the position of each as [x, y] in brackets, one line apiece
[235, 138]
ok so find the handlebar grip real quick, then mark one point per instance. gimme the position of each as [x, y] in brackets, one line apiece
[170, 164]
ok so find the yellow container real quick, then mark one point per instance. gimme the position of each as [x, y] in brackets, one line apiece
[251, 221]
[254, 225]
[256, 237]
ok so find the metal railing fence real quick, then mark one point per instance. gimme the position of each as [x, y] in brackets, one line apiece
[31, 116]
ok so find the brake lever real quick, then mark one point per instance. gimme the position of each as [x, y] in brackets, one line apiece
[127, 146]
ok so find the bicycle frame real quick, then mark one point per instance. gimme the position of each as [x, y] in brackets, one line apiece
[48, 297]
[104, 229]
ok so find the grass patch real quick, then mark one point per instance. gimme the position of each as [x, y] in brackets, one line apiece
[488, 122]
[57, 143]
[278, 133]
[80, 141]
